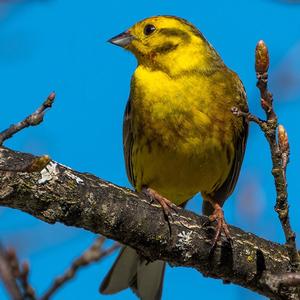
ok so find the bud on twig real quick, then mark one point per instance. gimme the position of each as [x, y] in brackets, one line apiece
[52, 95]
[261, 57]
[283, 139]
[284, 146]
[25, 269]
[50, 100]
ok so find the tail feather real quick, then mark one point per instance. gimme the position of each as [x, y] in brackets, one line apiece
[129, 270]
[150, 279]
[122, 272]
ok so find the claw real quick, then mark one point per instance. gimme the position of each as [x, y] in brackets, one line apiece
[165, 203]
[218, 216]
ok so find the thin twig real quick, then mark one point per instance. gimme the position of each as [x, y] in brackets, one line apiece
[93, 254]
[21, 274]
[38, 163]
[15, 276]
[29, 292]
[32, 120]
[7, 276]
[248, 116]
[280, 149]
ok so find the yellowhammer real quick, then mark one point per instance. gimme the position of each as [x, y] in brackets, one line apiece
[180, 136]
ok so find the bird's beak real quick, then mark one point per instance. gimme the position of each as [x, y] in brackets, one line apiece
[122, 40]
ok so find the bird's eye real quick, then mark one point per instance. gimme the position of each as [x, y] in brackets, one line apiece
[149, 29]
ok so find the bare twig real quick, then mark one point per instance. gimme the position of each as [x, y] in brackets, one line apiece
[248, 116]
[280, 149]
[93, 254]
[38, 163]
[32, 120]
[14, 276]
[7, 276]
[29, 292]
[20, 272]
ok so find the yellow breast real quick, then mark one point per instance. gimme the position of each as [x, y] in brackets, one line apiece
[183, 139]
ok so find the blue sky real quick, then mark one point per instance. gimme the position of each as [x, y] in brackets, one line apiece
[61, 45]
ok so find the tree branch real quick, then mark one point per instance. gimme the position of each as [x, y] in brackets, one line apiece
[59, 194]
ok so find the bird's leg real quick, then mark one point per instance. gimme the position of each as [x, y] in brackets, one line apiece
[165, 203]
[218, 216]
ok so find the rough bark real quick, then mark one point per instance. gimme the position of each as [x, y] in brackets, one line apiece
[60, 194]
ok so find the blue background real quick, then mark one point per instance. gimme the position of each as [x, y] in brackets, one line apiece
[61, 45]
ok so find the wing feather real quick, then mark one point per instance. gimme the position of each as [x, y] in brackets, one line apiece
[128, 141]
[225, 190]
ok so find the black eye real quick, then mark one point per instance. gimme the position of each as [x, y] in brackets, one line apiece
[149, 29]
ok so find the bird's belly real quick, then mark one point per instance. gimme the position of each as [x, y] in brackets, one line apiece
[183, 138]
[179, 173]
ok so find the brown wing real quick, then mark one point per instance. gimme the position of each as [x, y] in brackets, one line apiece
[225, 190]
[128, 142]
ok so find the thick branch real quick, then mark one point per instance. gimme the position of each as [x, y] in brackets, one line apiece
[59, 194]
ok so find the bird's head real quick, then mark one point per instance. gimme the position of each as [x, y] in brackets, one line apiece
[167, 43]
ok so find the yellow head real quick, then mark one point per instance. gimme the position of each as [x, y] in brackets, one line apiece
[170, 44]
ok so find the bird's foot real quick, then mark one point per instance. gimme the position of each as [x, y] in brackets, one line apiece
[165, 203]
[218, 216]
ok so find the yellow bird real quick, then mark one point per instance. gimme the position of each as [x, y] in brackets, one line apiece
[180, 136]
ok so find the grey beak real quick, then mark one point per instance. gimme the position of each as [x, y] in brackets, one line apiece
[122, 40]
